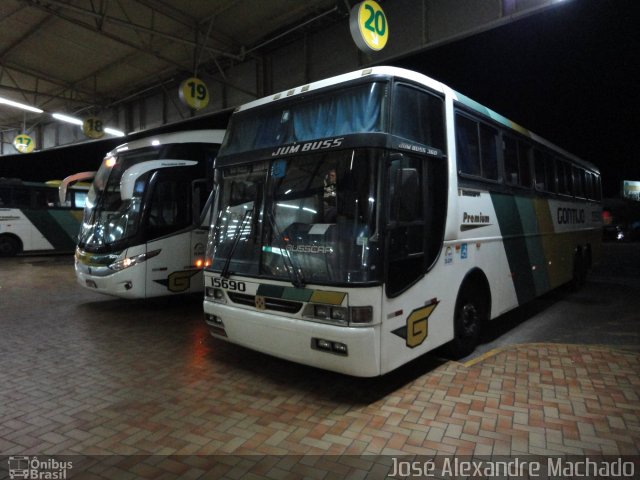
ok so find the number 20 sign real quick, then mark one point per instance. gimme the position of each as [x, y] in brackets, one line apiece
[369, 26]
[194, 93]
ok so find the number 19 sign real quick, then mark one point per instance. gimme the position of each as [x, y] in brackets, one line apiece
[194, 93]
[369, 27]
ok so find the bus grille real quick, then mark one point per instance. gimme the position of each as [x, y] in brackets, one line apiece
[276, 304]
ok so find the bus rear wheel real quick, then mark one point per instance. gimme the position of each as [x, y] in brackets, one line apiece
[9, 246]
[469, 317]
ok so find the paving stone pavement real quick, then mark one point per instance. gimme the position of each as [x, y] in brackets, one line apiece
[143, 382]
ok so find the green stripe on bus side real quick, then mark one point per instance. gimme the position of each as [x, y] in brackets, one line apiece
[531, 226]
[69, 220]
[51, 227]
[515, 245]
[555, 246]
[491, 114]
[539, 258]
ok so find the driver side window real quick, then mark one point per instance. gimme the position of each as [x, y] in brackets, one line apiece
[169, 209]
[406, 240]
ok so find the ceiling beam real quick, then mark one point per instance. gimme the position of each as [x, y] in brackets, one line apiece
[46, 95]
[110, 36]
[40, 75]
[130, 25]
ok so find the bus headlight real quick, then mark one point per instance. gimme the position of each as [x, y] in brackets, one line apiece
[214, 294]
[327, 312]
[340, 315]
[321, 311]
[131, 261]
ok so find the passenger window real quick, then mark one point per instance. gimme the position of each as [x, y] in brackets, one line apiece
[589, 193]
[21, 198]
[516, 163]
[578, 181]
[511, 167]
[563, 185]
[468, 147]
[550, 167]
[545, 172]
[524, 153]
[477, 148]
[488, 152]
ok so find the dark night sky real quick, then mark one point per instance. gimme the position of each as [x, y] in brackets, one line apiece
[570, 74]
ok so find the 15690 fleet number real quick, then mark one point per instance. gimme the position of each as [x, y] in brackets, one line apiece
[220, 282]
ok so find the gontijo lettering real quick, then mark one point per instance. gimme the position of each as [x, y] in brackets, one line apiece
[570, 215]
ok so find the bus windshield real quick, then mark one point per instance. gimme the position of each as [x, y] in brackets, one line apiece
[304, 219]
[357, 109]
[114, 205]
[111, 215]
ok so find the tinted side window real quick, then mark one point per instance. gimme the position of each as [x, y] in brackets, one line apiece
[578, 181]
[564, 171]
[477, 148]
[544, 172]
[489, 152]
[468, 146]
[419, 116]
[511, 167]
[524, 153]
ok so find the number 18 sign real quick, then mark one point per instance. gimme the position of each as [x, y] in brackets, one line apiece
[369, 27]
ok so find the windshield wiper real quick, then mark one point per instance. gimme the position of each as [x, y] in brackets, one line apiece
[294, 271]
[236, 239]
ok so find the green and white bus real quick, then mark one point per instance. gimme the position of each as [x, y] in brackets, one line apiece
[364, 220]
[145, 229]
[33, 220]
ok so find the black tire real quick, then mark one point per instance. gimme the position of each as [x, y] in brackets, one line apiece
[9, 246]
[469, 316]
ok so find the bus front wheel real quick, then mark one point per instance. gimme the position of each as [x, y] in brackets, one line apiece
[9, 246]
[469, 316]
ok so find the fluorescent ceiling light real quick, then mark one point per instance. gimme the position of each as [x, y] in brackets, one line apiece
[67, 118]
[11, 103]
[113, 131]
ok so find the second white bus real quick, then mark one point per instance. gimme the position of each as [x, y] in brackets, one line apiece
[145, 229]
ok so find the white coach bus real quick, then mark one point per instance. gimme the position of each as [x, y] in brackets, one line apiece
[364, 220]
[34, 220]
[145, 229]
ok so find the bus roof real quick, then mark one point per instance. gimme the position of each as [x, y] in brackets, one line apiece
[189, 136]
[423, 80]
[346, 77]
